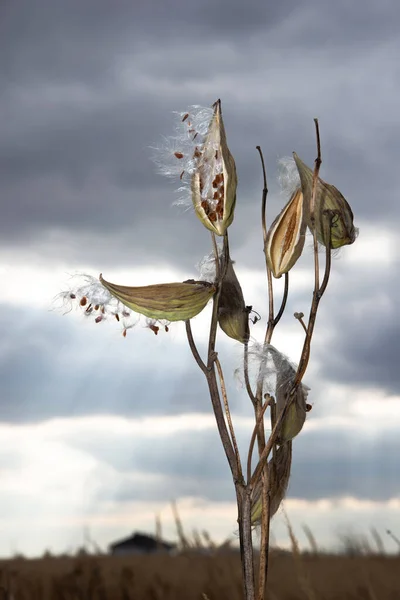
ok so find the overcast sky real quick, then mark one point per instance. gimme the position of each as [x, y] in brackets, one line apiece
[102, 432]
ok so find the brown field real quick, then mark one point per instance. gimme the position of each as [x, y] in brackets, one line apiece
[192, 576]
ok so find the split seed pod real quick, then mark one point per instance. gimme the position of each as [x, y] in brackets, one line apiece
[279, 475]
[286, 236]
[214, 180]
[169, 301]
[233, 316]
[329, 203]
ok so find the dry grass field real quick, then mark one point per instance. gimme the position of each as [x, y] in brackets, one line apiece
[193, 576]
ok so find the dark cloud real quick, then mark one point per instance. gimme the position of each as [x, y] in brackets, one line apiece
[327, 463]
[53, 366]
[87, 91]
[362, 342]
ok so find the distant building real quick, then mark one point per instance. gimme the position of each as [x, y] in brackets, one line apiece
[139, 543]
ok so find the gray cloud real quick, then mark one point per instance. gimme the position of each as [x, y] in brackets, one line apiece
[87, 92]
[326, 464]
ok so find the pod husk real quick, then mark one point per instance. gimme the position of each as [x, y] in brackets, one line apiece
[279, 475]
[233, 315]
[329, 203]
[164, 301]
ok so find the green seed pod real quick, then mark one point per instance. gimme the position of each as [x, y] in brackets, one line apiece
[233, 316]
[164, 301]
[286, 236]
[279, 475]
[329, 203]
[214, 180]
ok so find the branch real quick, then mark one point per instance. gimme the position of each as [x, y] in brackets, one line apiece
[193, 348]
[246, 373]
[228, 417]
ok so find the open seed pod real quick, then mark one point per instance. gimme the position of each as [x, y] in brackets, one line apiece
[165, 301]
[214, 180]
[329, 204]
[279, 475]
[286, 236]
[233, 316]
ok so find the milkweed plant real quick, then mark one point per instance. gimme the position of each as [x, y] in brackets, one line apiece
[198, 157]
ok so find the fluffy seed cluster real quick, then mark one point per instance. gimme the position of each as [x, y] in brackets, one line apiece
[177, 156]
[94, 301]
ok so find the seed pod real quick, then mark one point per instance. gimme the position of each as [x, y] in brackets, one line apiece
[214, 180]
[233, 316]
[329, 203]
[279, 475]
[296, 414]
[286, 236]
[169, 301]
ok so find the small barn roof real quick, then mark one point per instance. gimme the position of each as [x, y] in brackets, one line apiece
[141, 540]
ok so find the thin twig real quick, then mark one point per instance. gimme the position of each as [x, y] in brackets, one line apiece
[216, 255]
[246, 373]
[300, 318]
[305, 355]
[214, 317]
[221, 424]
[284, 300]
[193, 348]
[328, 253]
[264, 198]
[228, 416]
[253, 439]
[317, 165]
[265, 514]
[271, 441]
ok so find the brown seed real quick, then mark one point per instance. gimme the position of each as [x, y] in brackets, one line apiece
[166, 328]
[181, 175]
[89, 308]
[97, 307]
[83, 301]
[197, 152]
[98, 319]
[124, 333]
[154, 328]
[178, 155]
[205, 206]
[213, 217]
[308, 407]
[185, 117]
[117, 317]
[72, 296]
